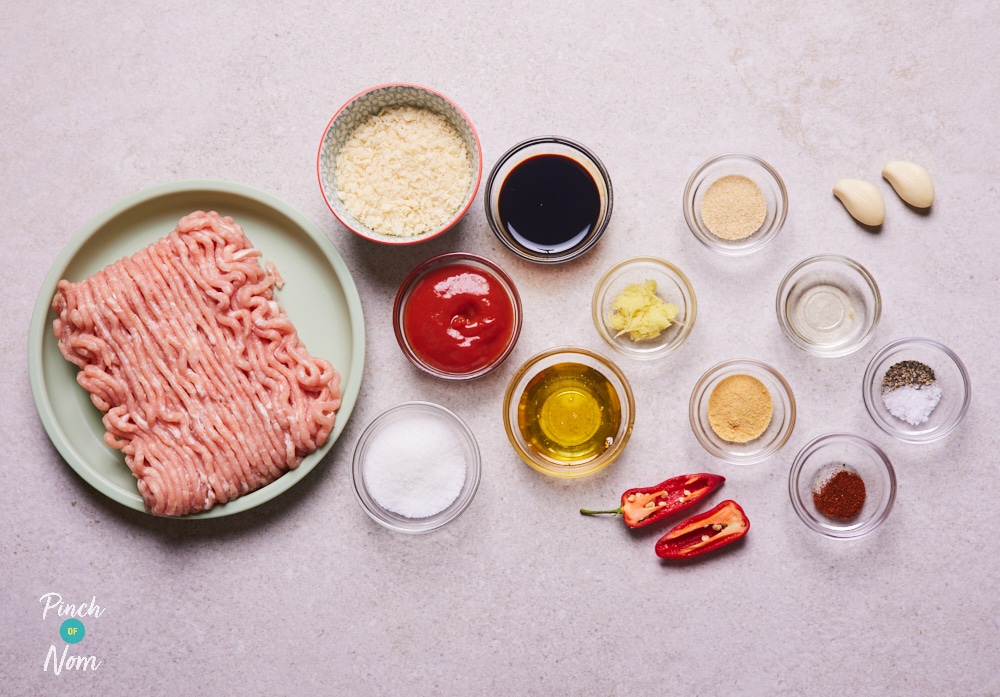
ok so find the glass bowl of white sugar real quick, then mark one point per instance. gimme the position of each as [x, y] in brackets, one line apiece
[416, 467]
[917, 390]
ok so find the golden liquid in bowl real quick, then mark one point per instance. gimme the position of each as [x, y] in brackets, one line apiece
[569, 413]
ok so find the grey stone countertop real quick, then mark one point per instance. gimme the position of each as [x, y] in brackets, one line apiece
[523, 595]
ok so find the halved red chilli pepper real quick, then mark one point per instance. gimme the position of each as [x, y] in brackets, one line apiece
[704, 532]
[641, 507]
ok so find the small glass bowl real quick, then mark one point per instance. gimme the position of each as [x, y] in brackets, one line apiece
[755, 169]
[672, 286]
[557, 362]
[383, 423]
[369, 103]
[484, 266]
[950, 374]
[548, 145]
[826, 455]
[777, 431]
[828, 305]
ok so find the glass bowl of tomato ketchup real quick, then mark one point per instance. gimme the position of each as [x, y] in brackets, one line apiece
[457, 316]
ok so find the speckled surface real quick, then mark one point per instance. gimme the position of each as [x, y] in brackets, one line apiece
[306, 595]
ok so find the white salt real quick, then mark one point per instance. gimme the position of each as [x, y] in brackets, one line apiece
[415, 466]
[912, 404]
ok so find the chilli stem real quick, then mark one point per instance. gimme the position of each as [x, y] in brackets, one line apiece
[616, 511]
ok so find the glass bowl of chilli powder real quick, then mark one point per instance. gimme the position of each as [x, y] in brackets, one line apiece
[917, 390]
[742, 411]
[735, 204]
[842, 485]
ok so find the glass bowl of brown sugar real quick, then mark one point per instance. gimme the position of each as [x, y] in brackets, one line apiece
[842, 485]
[735, 204]
[742, 411]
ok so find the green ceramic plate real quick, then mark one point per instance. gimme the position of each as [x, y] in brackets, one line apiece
[319, 296]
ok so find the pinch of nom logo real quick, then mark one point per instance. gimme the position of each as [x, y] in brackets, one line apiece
[71, 631]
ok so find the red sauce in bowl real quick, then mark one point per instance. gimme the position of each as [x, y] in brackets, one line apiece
[458, 318]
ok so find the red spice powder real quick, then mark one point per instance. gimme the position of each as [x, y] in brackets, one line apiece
[842, 496]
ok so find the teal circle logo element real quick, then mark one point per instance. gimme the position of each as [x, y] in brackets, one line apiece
[72, 631]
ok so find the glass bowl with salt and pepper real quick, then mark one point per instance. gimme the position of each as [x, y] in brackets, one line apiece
[917, 390]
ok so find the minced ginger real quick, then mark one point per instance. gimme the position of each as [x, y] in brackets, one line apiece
[638, 311]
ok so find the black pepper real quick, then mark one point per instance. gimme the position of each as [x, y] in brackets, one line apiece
[907, 374]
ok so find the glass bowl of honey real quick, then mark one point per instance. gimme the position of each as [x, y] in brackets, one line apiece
[548, 199]
[569, 412]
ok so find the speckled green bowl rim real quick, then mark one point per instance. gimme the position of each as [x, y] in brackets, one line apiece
[320, 297]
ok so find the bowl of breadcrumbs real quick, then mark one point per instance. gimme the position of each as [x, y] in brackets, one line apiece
[399, 164]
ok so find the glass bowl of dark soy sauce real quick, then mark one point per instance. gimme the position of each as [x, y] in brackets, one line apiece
[548, 199]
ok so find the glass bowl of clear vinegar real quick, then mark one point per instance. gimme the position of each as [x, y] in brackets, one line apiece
[569, 412]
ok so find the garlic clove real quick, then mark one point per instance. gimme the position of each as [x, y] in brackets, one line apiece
[862, 200]
[912, 182]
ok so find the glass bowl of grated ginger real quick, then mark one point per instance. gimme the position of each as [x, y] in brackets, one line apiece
[644, 307]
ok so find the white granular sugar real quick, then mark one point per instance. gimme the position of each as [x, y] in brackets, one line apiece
[416, 467]
[404, 171]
